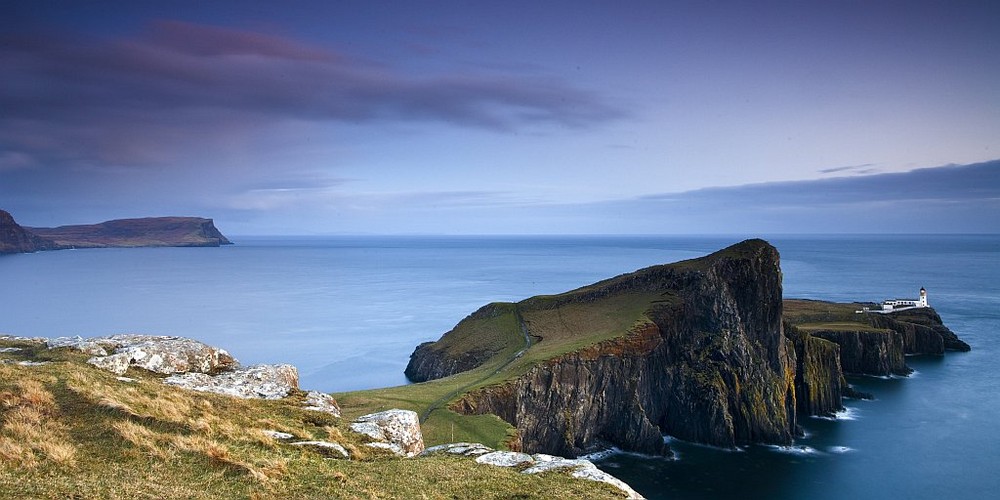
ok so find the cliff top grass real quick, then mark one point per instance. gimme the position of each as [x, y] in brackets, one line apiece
[70, 430]
[816, 315]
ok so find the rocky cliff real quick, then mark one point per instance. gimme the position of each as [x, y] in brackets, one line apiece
[694, 350]
[874, 343]
[16, 239]
[145, 232]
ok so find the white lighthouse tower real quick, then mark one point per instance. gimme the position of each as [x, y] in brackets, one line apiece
[923, 298]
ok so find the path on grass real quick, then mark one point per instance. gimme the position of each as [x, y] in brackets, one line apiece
[447, 397]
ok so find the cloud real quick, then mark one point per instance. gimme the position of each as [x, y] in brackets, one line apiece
[865, 168]
[136, 100]
[953, 198]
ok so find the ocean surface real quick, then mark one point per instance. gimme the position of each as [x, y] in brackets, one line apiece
[348, 311]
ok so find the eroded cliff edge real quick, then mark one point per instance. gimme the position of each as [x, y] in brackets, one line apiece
[143, 232]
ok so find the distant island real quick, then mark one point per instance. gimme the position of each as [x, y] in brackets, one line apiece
[127, 233]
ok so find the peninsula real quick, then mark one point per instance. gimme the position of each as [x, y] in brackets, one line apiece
[143, 232]
[705, 350]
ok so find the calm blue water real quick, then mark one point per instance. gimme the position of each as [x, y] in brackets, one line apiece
[349, 310]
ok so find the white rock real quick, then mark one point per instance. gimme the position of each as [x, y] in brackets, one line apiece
[505, 458]
[398, 427]
[251, 382]
[276, 434]
[11, 349]
[582, 469]
[393, 447]
[324, 444]
[160, 354]
[79, 343]
[369, 429]
[126, 379]
[318, 401]
[32, 363]
[592, 473]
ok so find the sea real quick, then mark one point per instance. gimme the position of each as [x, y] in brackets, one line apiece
[348, 311]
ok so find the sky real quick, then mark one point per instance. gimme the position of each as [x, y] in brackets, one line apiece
[475, 117]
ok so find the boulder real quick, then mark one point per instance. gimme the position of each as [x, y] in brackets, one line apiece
[159, 354]
[505, 458]
[325, 445]
[467, 449]
[318, 401]
[397, 430]
[582, 469]
[252, 382]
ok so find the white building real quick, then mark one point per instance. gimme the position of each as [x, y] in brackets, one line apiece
[900, 304]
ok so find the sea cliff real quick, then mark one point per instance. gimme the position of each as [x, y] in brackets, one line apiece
[702, 357]
[705, 350]
[144, 232]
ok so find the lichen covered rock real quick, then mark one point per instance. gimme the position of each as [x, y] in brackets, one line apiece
[160, 354]
[252, 382]
[397, 430]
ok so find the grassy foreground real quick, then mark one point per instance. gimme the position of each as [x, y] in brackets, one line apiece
[69, 430]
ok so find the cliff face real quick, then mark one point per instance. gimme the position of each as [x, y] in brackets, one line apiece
[819, 379]
[869, 352]
[145, 232]
[708, 364]
[15, 239]
[922, 329]
[874, 343]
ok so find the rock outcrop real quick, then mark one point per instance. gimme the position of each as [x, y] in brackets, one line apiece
[534, 464]
[707, 362]
[145, 232]
[16, 239]
[257, 381]
[867, 352]
[396, 430]
[874, 343]
[819, 379]
[157, 353]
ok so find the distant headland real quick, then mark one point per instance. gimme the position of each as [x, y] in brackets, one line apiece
[128, 233]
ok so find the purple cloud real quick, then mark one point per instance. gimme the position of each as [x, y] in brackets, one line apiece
[82, 100]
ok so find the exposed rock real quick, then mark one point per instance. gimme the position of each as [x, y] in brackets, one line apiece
[318, 401]
[16, 239]
[127, 380]
[922, 329]
[505, 458]
[159, 354]
[869, 352]
[400, 428]
[819, 381]
[467, 449]
[711, 365]
[324, 445]
[11, 349]
[252, 382]
[276, 434]
[87, 346]
[538, 463]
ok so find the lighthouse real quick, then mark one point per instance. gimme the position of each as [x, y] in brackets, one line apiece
[923, 298]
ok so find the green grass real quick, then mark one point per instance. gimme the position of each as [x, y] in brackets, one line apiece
[69, 430]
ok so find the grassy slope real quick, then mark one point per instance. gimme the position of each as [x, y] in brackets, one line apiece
[557, 326]
[813, 315]
[70, 430]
